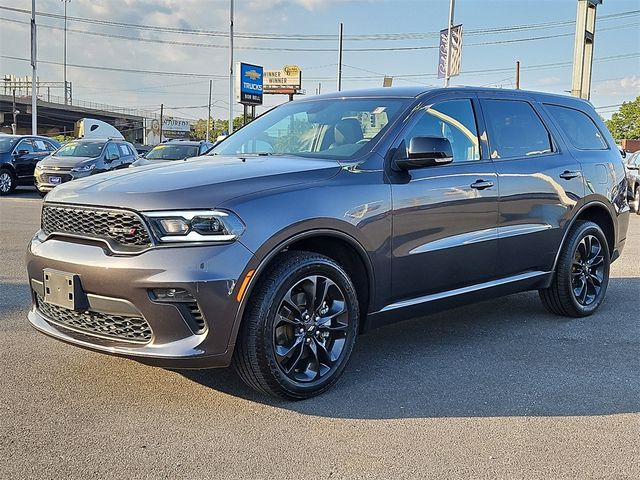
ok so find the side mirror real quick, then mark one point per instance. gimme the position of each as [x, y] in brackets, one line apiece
[426, 152]
[623, 153]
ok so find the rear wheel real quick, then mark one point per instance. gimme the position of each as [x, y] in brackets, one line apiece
[7, 181]
[299, 328]
[582, 273]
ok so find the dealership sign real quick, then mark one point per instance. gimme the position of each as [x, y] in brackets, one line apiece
[249, 84]
[176, 125]
[287, 80]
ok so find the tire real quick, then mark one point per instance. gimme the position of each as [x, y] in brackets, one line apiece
[7, 181]
[636, 200]
[285, 353]
[582, 273]
[42, 194]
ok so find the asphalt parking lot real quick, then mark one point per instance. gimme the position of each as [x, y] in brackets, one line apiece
[500, 389]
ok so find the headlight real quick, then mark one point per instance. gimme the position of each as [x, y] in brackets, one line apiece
[195, 226]
[84, 168]
[38, 166]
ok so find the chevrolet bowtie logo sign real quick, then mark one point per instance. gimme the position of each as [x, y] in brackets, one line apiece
[252, 74]
[249, 84]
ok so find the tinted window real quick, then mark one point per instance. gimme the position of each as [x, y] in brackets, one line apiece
[112, 151]
[40, 145]
[515, 130]
[453, 120]
[578, 127]
[81, 149]
[168, 151]
[25, 145]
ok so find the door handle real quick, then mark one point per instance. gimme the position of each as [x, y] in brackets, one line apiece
[568, 175]
[481, 185]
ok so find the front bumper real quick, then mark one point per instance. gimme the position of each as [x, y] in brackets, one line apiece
[122, 285]
[43, 178]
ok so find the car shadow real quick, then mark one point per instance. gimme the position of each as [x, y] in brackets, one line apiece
[504, 357]
[24, 192]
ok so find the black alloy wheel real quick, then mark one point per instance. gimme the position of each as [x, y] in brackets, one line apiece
[310, 329]
[582, 272]
[299, 327]
[587, 270]
[7, 181]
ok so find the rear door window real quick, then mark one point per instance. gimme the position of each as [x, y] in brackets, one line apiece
[578, 127]
[515, 129]
[112, 149]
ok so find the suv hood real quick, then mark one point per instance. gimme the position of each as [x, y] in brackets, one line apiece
[63, 162]
[202, 182]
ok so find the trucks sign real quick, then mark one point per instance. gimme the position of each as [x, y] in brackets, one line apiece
[249, 81]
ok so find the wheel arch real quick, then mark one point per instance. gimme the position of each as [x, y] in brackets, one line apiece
[332, 243]
[598, 213]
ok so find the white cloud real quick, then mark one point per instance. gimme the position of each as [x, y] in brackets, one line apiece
[626, 86]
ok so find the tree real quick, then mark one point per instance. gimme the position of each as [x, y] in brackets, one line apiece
[626, 122]
[217, 127]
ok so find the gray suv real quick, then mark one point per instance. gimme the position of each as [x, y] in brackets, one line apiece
[326, 217]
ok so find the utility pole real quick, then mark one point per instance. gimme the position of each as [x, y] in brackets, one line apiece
[446, 76]
[518, 75]
[230, 129]
[66, 93]
[34, 74]
[583, 49]
[14, 125]
[340, 57]
[161, 119]
[209, 115]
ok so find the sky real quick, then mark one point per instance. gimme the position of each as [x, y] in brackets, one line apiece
[408, 59]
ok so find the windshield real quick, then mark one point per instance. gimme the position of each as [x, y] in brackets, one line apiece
[337, 128]
[172, 152]
[7, 144]
[81, 149]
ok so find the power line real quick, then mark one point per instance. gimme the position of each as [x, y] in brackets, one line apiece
[309, 49]
[318, 37]
[544, 66]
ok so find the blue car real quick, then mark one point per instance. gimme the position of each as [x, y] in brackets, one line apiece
[18, 157]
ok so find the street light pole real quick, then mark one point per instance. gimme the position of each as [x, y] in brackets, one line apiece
[340, 57]
[447, 74]
[66, 94]
[209, 115]
[34, 74]
[230, 129]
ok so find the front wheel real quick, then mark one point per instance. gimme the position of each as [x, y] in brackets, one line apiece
[7, 181]
[299, 327]
[582, 273]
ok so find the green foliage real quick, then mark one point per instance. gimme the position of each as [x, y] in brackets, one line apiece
[626, 122]
[217, 127]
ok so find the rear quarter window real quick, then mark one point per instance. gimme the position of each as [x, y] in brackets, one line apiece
[579, 128]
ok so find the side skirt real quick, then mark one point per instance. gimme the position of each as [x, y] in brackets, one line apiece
[425, 305]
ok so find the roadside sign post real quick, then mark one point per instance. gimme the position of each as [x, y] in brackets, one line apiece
[249, 87]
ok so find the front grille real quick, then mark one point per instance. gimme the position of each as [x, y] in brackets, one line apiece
[103, 325]
[119, 226]
[64, 177]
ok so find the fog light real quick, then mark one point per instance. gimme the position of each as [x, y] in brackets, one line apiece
[172, 295]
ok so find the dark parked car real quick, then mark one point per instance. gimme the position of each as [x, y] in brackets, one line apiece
[19, 155]
[81, 158]
[329, 216]
[632, 165]
[174, 150]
